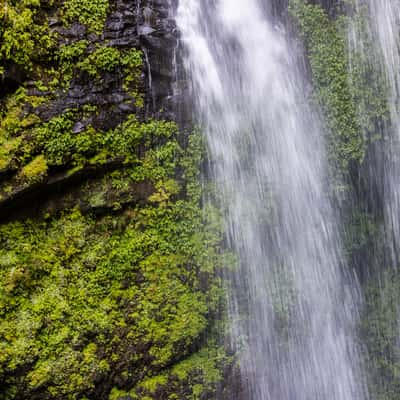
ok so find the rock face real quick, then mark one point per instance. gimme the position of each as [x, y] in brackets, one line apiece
[108, 263]
[128, 25]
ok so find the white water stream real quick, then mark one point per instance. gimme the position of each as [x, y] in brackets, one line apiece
[292, 307]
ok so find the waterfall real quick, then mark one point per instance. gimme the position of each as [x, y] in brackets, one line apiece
[385, 29]
[292, 306]
[374, 39]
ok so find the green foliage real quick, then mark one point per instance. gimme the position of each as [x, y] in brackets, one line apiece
[193, 378]
[103, 58]
[14, 124]
[351, 90]
[91, 13]
[35, 170]
[111, 287]
[68, 55]
[81, 296]
[56, 140]
[367, 80]
[380, 333]
[24, 34]
[204, 363]
[342, 90]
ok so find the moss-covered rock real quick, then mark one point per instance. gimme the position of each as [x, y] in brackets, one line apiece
[109, 261]
[380, 333]
[91, 303]
[350, 88]
[347, 88]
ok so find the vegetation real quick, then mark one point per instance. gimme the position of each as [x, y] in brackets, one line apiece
[109, 282]
[82, 296]
[24, 34]
[342, 77]
[380, 331]
[351, 90]
[91, 13]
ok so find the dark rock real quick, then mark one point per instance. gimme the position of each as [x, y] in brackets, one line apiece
[12, 78]
[75, 31]
[78, 127]
[144, 30]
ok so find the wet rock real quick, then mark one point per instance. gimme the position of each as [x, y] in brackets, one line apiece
[11, 79]
[75, 31]
[145, 25]
[78, 127]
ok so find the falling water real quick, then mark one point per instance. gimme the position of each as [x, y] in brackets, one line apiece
[291, 305]
[384, 32]
[386, 14]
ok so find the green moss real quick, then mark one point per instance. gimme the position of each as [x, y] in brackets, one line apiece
[342, 79]
[326, 46]
[7, 149]
[131, 279]
[153, 383]
[108, 59]
[361, 232]
[204, 363]
[24, 34]
[102, 59]
[380, 327]
[117, 394]
[68, 55]
[91, 13]
[12, 114]
[193, 378]
[112, 284]
[35, 170]
[61, 146]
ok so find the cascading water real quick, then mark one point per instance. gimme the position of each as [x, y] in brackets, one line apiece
[290, 300]
[384, 31]
[386, 17]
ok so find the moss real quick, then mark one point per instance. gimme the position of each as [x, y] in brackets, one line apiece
[350, 87]
[24, 33]
[153, 383]
[61, 146]
[341, 79]
[68, 55]
[112, 282]
[361, 232]
[91, 13]
[35, 170]
[194, 378]
[12, 114]
[133, 280]
[205, 363]
[326, 47]
[103, 58]
[7, 149]
[380, 327]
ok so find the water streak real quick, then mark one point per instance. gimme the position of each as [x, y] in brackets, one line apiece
[384, 32]
[291, 301]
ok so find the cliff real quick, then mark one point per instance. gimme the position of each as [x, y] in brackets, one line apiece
[108, 259]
